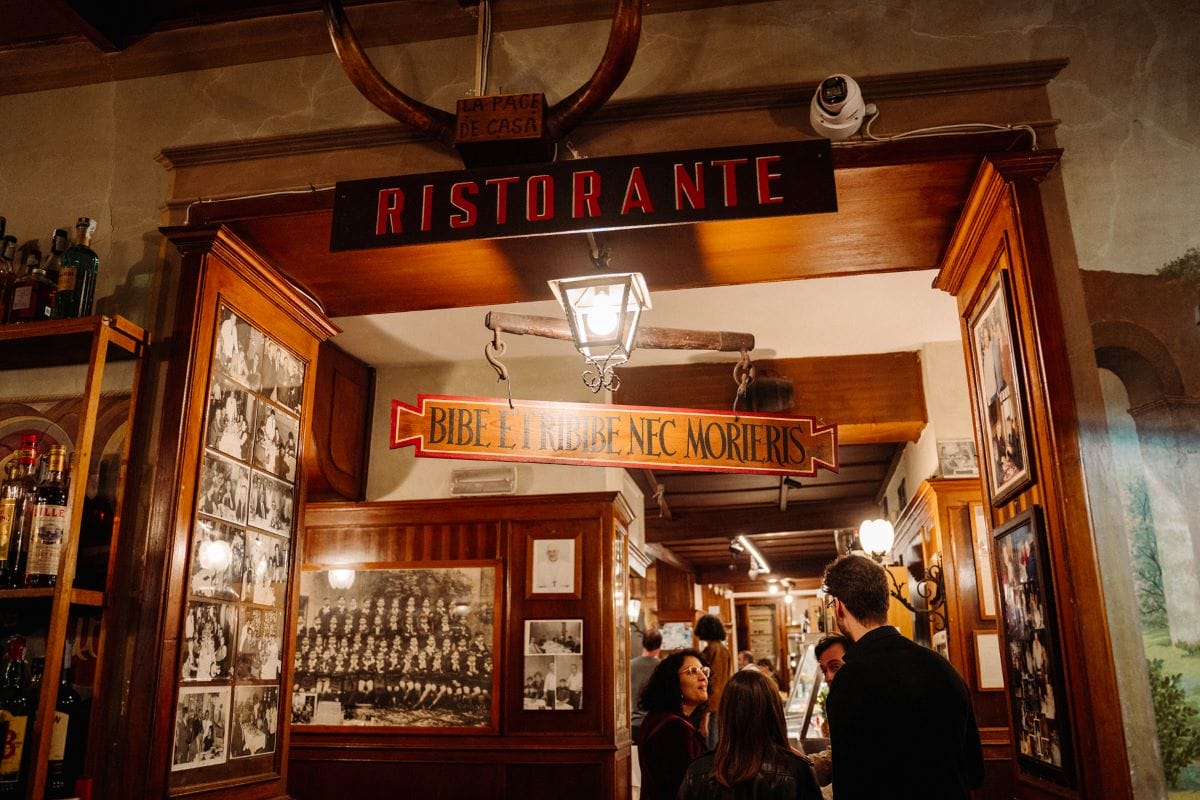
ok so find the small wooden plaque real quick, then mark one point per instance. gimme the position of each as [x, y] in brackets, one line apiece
[500, 117]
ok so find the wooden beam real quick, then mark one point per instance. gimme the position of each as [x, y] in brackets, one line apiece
[837, 390]
[731, 522]
[808, 571]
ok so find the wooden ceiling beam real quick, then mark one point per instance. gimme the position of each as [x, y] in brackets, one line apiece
[749, 521]
[837, 390]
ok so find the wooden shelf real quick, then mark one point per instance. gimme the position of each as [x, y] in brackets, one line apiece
[53, 343]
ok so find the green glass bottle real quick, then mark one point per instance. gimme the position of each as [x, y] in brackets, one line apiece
[77, 274]
[15, 708]
[67, 736]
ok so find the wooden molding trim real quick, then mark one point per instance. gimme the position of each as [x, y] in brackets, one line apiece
[901, 85]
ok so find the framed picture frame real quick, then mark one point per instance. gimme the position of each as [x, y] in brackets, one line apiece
[1032, 658]
[388, 646]
[553, 679]
[957, 458]
[999, 394]
[678, 630]
[989, 666]
[981, 550]
[554, 568]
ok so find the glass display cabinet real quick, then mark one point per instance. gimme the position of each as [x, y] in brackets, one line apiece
[804, 710]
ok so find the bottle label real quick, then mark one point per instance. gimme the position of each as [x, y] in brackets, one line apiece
[8, 516]
[14, 745]
[58, 736]
[22, 298]
[66, 278]
[48, 535]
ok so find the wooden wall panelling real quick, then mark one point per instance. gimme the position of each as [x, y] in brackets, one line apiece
[674, 585]
[538, 754]
[337, 454]
[1003, 229]
[216, 268]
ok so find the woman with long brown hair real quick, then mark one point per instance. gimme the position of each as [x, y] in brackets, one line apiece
[753, 760]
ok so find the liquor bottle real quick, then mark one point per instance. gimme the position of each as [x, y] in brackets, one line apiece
[47, 530]
[32, 293]
[16, 503]
[77, 277]
[53, 265]
[95, 532]
[15, 707]
[8, 274]
[67, 737]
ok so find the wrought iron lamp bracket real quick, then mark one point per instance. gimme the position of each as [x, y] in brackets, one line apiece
[931, 588]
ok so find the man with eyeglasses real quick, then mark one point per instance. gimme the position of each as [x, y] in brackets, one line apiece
[887, 683]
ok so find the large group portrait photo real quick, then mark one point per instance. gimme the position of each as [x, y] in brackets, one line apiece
[397, 647]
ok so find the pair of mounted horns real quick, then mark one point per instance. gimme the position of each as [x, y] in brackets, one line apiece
[437, 124]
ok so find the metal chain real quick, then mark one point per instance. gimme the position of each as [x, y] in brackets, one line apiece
[492, 352]
[743, 375]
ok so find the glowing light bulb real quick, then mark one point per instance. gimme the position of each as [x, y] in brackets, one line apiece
[602, 318]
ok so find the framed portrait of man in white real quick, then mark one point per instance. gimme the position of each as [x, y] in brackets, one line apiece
[554, 568]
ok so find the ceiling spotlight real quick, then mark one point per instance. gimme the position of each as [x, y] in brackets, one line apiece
[837, 110]
[736, 547]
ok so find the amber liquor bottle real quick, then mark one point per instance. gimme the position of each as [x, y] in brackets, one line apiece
[47, 530]
[67, 737]
[58, 244]
[16, 503]
[32, 294]
[76, 282]
[15, 708]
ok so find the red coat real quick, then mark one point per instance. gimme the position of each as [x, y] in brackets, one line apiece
[667, 744]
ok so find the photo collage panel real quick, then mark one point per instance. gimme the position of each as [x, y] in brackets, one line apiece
[553, 665]
[240, 549]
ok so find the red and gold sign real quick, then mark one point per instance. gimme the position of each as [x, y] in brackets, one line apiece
[599, 435]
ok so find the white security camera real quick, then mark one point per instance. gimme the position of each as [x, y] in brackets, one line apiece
[837, 110]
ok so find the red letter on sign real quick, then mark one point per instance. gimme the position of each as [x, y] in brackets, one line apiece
[689, 185]
[501, 185]
[636, 194]
[539, 185]
[426, 207]
[585, 195]
[458, 200]
[729, 166]
[764, 180]
[387, 213]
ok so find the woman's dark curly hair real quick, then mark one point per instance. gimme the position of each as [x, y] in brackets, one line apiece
[662, 691]
[710, 629]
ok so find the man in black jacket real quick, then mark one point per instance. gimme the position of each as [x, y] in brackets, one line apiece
[900, 718]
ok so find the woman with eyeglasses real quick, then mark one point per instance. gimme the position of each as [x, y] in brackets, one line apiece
[667, 739]
[753, 760]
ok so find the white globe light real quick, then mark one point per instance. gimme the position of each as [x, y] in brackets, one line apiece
[876, 536]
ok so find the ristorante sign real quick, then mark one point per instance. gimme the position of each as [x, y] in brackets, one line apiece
[593, 434]
[764, 180]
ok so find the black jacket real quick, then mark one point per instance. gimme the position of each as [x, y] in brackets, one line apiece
[790, 780]
[901, 723]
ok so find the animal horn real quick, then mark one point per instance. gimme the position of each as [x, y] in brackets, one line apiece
[432, 122]
[614, 66]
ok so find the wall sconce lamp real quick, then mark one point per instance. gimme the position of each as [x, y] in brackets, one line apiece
[876, 537]
[602, 320]
[341, 578]
[634, 608]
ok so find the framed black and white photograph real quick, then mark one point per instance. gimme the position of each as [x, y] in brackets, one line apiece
[553, 683]
[264, 569]
[239, 349]
[218, 555]
[554, 568]
[304, 707]
[201, 727]
[255, 718]
[1032, 659]
[259, 644]
[208, 631]
[224, 489]
[553, 636]
[230, 409]
[999, 397]
[282, 376]
[957, 458]
[276, 435]
[402, 647]
[270, 504]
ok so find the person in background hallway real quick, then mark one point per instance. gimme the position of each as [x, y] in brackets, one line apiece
[753, 760]
[767, 668]
[886, 678]
[710, 631]
[831, 655]
[640, 669]
[667, 740]
[746, 660]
